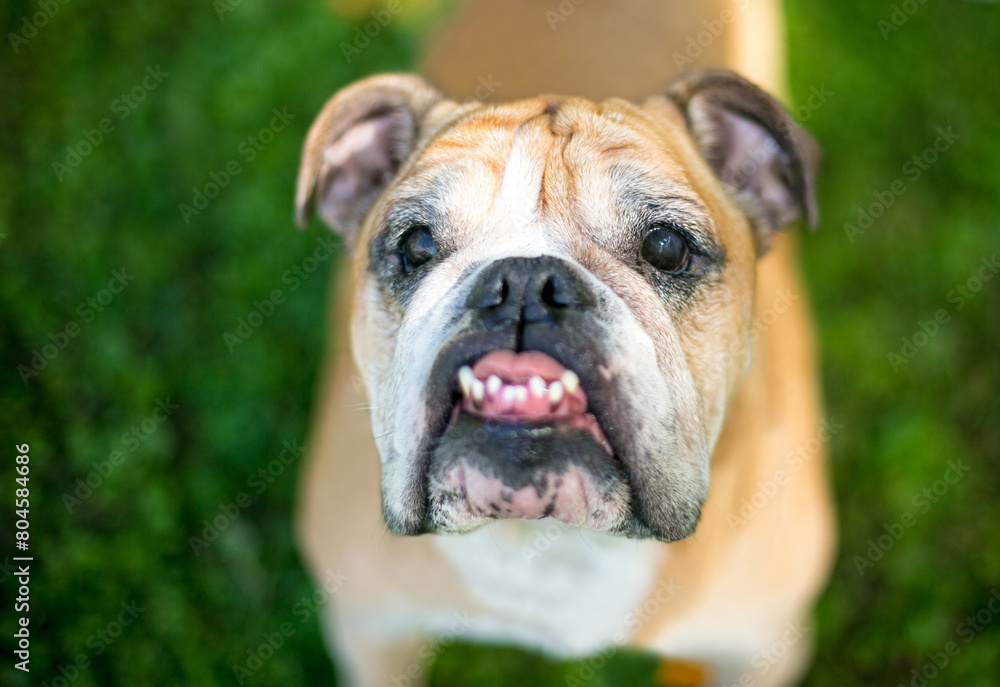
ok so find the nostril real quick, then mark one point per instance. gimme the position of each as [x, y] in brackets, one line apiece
[551, 294]
[491, 293]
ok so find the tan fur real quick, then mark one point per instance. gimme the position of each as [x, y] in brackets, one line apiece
[759, 573]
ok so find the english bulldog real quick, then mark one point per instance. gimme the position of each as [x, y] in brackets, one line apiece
[579, 334]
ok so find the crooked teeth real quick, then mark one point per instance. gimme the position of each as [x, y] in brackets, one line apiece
[513, 394]
[537, 386]
[570, 381]
[465, 379]
[555, 392]
[493, 385]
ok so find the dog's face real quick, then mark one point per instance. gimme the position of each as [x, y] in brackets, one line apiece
[554, 296]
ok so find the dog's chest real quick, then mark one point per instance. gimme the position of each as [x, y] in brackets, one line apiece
[550, 586]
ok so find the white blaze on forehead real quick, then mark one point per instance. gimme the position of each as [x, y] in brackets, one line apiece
[521, 184]
[507, 222]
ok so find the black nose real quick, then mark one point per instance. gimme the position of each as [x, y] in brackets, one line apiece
[528, 291]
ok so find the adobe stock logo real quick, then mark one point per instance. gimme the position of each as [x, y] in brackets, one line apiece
[901, 14]
[922, 503]
[219, 180]
[913, 169]
[931, 327]
[123, 106]
[87, 311]
[967, 631]
[363, 35]
[31, 25]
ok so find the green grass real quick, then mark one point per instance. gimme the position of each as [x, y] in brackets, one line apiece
[162, 337]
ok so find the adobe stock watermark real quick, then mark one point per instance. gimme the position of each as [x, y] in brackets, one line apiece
[224, 7]
[922, 502]
[97, 644]
[913, 169]
[701, 41]
[248, 149]
[640, 614]
[764, 660]
[124, 105]
[967, 630]
[32, 24]
[900, 14]
[429, 650]
[363, 35]
[485, 89]
[258, 482]
[303, 610]
[766, 151]
[292, 278]
[566, 8]
[7, 569]
[543, 541]
[131, 440]
[87, 311]
[795, 460]
[931, 327]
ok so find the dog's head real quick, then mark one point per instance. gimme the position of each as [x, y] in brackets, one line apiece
[550, 292]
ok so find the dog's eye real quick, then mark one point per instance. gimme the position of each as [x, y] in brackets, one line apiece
[417, 247]
[665, 249]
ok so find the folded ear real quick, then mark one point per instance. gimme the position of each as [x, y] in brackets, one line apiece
[762, 158]
[356, 145]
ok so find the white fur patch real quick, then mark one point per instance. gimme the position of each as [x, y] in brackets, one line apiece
[564, 590]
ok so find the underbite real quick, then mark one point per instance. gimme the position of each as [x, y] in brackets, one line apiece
[526, 387]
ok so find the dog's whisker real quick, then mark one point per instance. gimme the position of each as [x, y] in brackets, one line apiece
[385, 529]
[586, 543]
[489, 528]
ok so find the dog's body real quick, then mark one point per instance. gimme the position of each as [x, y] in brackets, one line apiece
[542, 195]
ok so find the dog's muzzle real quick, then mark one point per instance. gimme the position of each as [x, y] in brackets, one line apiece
[521, 435]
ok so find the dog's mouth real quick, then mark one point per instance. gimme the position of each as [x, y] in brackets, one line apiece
[527, 387]
[521, 440]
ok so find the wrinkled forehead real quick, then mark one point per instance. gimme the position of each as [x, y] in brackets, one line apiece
[564, 164]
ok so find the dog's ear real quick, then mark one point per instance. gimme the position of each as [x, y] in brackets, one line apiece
[763, 159]
[356, 145]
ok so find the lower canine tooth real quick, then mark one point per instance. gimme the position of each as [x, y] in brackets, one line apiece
[493, 385]
[478, 391]
[555, 392]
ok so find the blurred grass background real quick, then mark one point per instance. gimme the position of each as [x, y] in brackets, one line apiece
[162, 337]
